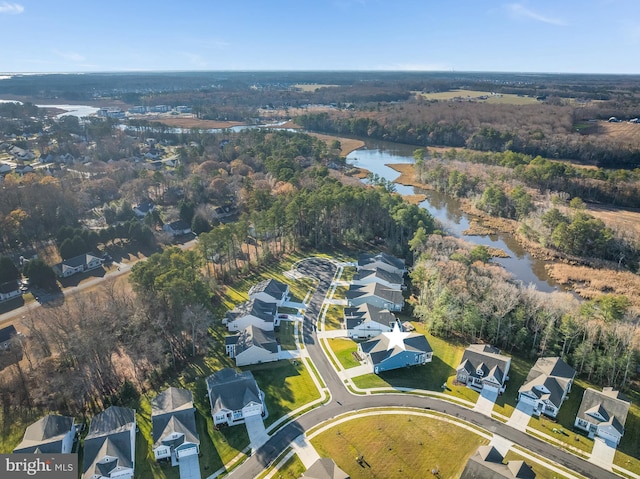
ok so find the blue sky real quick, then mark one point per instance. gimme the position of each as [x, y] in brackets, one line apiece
[572, 36]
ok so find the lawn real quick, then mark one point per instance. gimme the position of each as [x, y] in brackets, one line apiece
[287, 385]
[565, 420]
[340, 292]
[628, 453]
[285, 335]
[14, 423]
[348, 273]
[431, 376]
[506, 402]
[541, 471]
[292, 469]
[398, 446]
[334, 317]
[344, 349]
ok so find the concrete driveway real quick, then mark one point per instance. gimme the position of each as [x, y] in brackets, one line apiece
[189, 467]
[257, 433]
[603, 453]
[521, 416]
[485, 402]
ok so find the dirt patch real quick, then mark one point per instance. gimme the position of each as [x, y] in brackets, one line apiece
[347, 145]
[623, 220]
[624, 132]
[194, 123]
[415, 199]
[498, 253]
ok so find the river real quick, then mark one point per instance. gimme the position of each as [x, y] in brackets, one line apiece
[375, 155]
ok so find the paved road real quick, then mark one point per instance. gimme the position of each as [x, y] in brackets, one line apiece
[342, 401]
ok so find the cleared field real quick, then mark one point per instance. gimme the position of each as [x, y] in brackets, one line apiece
[625, 132]
[626, 220]
[507, 99]
[312, 86]
[194, 122]
[347, 145]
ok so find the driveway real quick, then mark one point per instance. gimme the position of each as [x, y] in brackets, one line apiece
[189, 467]
[257, 433]
[485, 402]
[521, 416]
[603, 453]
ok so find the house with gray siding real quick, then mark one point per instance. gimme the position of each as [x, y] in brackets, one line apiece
[254, 312]
[252, 345]
[603, 414]
[378, 275]
[547, 385]
[395, 350]
[234, 396]
[377, 295]
[483, 366]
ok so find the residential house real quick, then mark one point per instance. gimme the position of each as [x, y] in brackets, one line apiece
[483, 366]
[50, 435]
[383, 261]
[367, 321]
[254, 312]
[222, 212]
[488, 463]
[174, 424]
[6, 335]
[143, 209]
[395, 350]
[5, 168]
[9, 290]
[270, 291]
[77, 264]
[252, 345]
[234, 396]
[110, 445]
[603, 414]
[378, 275]
[547, 385]
[177, 228]
[324, 468]
[377, 295]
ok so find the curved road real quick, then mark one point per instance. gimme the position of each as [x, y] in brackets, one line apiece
[343, 401]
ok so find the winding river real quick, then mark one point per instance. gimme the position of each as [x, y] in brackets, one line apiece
[375, 155]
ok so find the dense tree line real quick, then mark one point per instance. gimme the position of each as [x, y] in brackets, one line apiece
[460, 295]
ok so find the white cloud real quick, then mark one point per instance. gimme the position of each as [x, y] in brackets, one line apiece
[518, 10]
[11, 8]
[70, 56]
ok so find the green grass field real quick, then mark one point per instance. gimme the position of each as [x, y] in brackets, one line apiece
[334, 317]
[344, 349]
[506, 98]
[348, 272]
[287, 386]
[628, 453]
[292, 469]
[340, 292]
[505, 404]
[398, 446]
[285, 335]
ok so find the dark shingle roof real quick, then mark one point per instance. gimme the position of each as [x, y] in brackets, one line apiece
[255, 307]
[379, 348]
[368, 312]
[393, 296]
[272, 287]
[7, 333]
[379, 274]
[171, 400]
[487, 463]
[231, 389]
[325, 468]
[179, 225]
[254, 336]
[369, 259]
[609, 404]
[486, 358]
[45, 434]
[552, 373]
[172, 411]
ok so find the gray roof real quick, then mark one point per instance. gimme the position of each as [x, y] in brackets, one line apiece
[609, 404]
[255, 307]
[487, 463]
[144, 207]
[76, 261]
[325, 468]
[179, 225]
[171, 400]
[486, 358]
[272, 287]
[9, 286]
[232, 390]
[369, 259]
[172, 411]
[378, 273]
[7, 333]
[375, 289]
[368, 312]
[254, 336]
[46, 434]
[379, 347]
[552, 373]
[107, 446]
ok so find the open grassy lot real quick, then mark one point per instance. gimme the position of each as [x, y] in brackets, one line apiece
[292, 469]
[432, 376]
[287, 385]
[344, 349]
[285, 335]
[348, 273]
[505, 404]
[312, 86]
[398, 446]
[628, 453]
[565, 419]
[334, 317]
[541, 471]
[340, 292]
[506, 98]
[14, 423]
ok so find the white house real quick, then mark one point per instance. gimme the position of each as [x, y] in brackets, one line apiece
[254, 312]
[9, 290]
[50, 435]
[483, 367]
[270, 291]
[234, 396]
[173, 423]
[177, 228]
[547, 385]
[377, 295]
[367, 321]
[603, 414]
[110, 445]
[77, 264]
[252, 346]
[383, 261]
[378, 275]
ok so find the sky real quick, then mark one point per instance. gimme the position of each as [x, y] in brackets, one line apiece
[551, 36]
